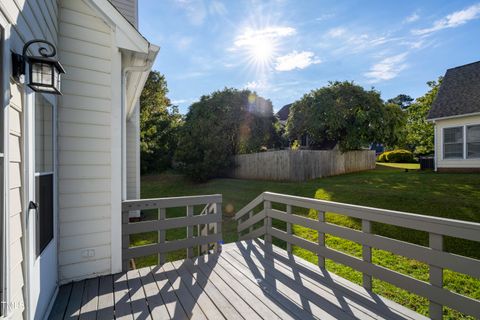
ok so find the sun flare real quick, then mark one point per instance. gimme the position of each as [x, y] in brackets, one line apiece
[260, 45]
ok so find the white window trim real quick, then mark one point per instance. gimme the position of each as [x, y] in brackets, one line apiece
[464, 142]
[5, 87]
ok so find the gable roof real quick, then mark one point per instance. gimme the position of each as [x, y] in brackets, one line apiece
[283, 113]
[459, 93]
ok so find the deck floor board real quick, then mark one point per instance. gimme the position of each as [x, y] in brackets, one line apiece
[247, 280]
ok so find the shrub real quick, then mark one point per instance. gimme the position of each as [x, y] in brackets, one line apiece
[396, 156]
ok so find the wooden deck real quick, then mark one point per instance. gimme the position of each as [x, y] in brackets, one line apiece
[245, 281]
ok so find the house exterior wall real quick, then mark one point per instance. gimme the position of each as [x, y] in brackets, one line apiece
[453, 164]
[85, 142]
[27, 19]
[129, 9]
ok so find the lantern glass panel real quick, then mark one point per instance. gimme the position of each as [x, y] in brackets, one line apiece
[42, 73]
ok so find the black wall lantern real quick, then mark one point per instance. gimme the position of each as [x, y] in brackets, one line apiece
[43, 70]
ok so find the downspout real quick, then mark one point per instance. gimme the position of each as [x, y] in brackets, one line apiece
[435, 156]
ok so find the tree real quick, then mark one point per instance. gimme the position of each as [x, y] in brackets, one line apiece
[420, 133]
[402, 100]
[159, 124]
[220, 125]
[345, 114]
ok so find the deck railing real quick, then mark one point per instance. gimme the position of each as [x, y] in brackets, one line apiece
[255, 220]
[208, 222]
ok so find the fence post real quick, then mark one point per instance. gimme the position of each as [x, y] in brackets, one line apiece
[267, 205]
[289, 229]
[367, 255]
[161, 234]
[321, 239]
[189, 232]
[125, 241]
[436, 276]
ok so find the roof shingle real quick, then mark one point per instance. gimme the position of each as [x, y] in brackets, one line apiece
[459, 92]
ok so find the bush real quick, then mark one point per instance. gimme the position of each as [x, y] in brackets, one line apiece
[397, 156]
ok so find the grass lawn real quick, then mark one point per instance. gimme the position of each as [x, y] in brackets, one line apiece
[445, 195]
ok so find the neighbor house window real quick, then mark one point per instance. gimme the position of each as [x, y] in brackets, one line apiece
[473, 142]
[453, 143]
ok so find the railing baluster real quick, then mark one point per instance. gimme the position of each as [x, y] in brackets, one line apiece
[190, 232]
[367, 255]
[321, 239]
[289, 229]
[125, 241]
[268, 222]
[217, 227]
[161, 234]
[436, 276]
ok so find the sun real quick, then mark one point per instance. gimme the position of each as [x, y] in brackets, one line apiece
[262, 52]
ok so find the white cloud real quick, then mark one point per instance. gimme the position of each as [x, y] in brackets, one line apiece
[296, 60]
[336, 32]
[388, 68]
[452, 20]
[256, 85]
[254, 36]
[325, 16]
[183, 42]
[412, 18]
[217, 7]
[194, 9]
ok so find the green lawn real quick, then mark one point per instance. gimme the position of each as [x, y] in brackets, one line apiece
[445, 195]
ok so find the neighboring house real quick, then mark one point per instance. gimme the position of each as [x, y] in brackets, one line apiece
[67, 161]
[456, 116]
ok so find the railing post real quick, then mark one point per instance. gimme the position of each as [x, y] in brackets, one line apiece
[161, 234]
[267, 205]
[190, 232]
[321, 240]
[367, 255]
[289, 229]
[250, 215]
[436, 276]
[217, 227]
[125, 241]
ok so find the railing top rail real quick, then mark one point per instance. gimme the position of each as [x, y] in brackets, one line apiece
[252, 204]
[170, 202]
[450, 227]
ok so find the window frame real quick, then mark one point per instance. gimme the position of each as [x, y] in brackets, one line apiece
[464, 141]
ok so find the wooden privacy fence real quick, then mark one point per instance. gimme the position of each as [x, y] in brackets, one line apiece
[208, 223]
[253, 224]
[301, 165]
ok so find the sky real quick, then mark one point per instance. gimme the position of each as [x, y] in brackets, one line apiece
[283, 49]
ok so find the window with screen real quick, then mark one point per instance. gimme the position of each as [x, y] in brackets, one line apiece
[43, 172]
[473, 142]
[453, 143]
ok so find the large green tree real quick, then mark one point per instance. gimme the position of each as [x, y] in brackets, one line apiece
[159, 125]
[420, 132]
[220, 125]
[346, 114]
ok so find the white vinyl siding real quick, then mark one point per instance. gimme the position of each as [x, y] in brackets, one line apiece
[84, 142]
[464, 161]
[129, 9]
[29, 19]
